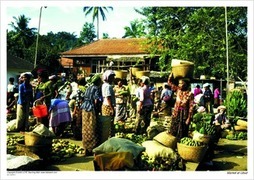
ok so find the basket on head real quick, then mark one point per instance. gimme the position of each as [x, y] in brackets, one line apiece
[139, 74]
[182, 68]
[121, 74]
[191, 153]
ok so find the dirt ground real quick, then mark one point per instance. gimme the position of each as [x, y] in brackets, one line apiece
[229, 155]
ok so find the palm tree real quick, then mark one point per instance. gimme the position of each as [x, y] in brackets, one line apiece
[23, 33]
[96, 11]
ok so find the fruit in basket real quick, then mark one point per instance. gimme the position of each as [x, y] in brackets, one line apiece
[190, 142]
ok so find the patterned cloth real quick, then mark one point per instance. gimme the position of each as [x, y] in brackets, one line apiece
[89, 130]
[182, 110]
[121, 103]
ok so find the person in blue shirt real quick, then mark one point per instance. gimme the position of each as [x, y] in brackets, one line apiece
[25, 100]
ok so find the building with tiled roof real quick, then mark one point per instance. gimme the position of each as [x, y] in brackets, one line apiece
[116, 53]
[16, 66]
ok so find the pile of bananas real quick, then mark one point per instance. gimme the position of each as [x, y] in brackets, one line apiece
[12, 142]
[190, 142]
[62, 149]
[138, 139]
[205, 128]
[159, 163]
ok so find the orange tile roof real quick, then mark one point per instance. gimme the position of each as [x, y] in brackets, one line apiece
[128, 46]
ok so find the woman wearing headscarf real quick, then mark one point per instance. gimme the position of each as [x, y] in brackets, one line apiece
[183, 109]
[25, 99]
[90, 135]
[144, 107]
[108, 94]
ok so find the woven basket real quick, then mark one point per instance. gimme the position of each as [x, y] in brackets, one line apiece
[43, 151]
[183, 71]
[139, 74]
[202, 137]
[32, 139]
[121, 74]
[166, 139]
[191, 153]
[134, 70]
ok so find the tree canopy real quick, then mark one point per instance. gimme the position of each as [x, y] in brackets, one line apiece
[198, 34]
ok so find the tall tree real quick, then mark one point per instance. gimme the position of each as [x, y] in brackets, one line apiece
[198, 34]
[135, 30]
[87, 34]
[96, 11]
[22, 36]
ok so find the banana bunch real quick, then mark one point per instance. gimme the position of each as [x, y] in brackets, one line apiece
[190, 142]
[12, 142]
[62, 149]
[205, 128]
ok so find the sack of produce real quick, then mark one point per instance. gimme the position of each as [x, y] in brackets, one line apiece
[155, 149]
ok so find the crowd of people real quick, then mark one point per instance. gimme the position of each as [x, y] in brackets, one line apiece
[80, 103]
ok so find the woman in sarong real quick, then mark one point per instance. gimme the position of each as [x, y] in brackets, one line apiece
[183, 109]
[90, 135]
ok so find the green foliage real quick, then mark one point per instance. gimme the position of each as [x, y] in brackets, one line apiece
[236, 103]
[87, 35]
[197, 34]
[237, 136]
[136, 30]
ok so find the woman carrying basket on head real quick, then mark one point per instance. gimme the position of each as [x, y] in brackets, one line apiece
[183, 109]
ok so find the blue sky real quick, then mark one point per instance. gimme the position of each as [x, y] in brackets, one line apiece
[71, 19]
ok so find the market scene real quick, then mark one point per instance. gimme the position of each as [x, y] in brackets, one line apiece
[113, 105]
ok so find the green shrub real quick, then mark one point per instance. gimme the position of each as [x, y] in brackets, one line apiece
[236, 104]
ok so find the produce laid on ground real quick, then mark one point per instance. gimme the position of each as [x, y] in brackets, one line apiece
[237, 136]
[61, 149]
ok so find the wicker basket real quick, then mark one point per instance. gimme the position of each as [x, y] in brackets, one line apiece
[121, 74]
[134, 70]
[32, 139]
[191, 153]
[183, 71]
[202, 137]
[139, 74]
[43, 151]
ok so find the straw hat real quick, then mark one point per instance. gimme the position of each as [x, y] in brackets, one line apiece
[221, 107]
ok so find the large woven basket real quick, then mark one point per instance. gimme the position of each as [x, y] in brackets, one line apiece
[43, 151]
[183, 71]
[202, 137]
[121, 74]
[139, 74]
[191, 153]
[134, 70]
[32, 139]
